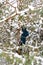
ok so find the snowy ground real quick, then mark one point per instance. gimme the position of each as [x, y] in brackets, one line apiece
[32, 52]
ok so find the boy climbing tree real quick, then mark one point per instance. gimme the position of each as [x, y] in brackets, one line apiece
[24, 34]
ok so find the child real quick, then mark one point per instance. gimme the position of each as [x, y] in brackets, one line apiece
[24, 35]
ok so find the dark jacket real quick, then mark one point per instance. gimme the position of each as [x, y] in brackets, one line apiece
[24, 35]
